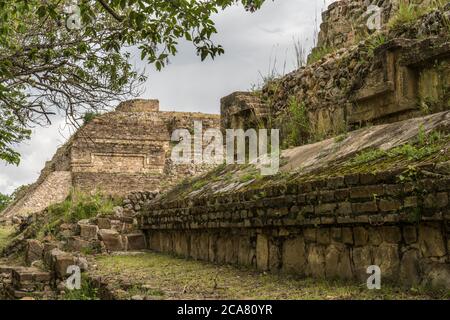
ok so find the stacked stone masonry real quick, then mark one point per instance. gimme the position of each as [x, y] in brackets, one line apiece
[116, 153]
[332, 228]
[403, 76]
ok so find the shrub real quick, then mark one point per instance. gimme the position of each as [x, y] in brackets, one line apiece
[76, 207]
[409, 12]
[89, 116]
[298, 125]
[318, 53]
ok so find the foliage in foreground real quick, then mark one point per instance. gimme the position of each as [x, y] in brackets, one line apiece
[86, 292]
[57, 58]
[409, 12]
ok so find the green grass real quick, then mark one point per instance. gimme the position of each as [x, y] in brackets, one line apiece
[424, 146]
[86, 292]
[298, 125]
[76, 207]
[374, 42]
[409, 12]
[318, 53]
[5, 233]
[168, 277]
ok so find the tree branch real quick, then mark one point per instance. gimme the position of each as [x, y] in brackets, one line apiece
[111, 11]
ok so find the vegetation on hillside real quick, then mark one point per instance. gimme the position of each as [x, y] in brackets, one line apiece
[409, 12]
[5, 235]
[76, 207]
[4, 201]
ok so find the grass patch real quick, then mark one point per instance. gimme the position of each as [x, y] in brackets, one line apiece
[175, 278]
[318, 53]
[374, 42]
[426, 145]
[298, 125]
[86, 292]
[76, 207]
[5, 233]
[409, 12]
[250, 176]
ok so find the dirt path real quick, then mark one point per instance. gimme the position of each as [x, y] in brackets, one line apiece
[158, 276]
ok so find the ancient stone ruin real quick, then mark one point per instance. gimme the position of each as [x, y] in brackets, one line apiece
[116, 153]
[366, 181]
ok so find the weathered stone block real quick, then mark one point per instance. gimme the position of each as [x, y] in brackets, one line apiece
[34, 251]
[324, 208]
[246, 253]
[391, 234]
[387, 258]
[293, 255]
[135, 241]
[362, 258]
[274, 256]
[347, 235]
[231, 250]
[323, 236]
[337, 262]
[364, 207]
[439, 200]
[375, 237]
[180, 244]
[410, 234]
[60, 262]
[112, 239]
[389, 205]
[437, 275]
[410, 202]
[78, 244]
[366, 192]
[104, 223]
[336, 234]
[431, 241]
[316, 261]
[88, 231]
[212, 247]
[344, 208]
[360, 235]
[409, 268]
[310, 234]
[262, 252]
[29, 279]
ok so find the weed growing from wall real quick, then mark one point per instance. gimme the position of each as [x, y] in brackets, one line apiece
[298, 126]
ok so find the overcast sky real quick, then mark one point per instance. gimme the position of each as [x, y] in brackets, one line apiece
[254, 44]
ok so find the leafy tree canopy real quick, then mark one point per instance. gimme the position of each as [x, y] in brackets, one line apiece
[63, 57]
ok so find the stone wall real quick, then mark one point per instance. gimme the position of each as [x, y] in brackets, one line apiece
[242, 110]
[129, 150]
[344, 23]
[53, 186]
[333, 228]
[392, 76]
